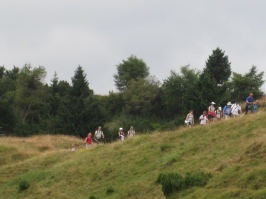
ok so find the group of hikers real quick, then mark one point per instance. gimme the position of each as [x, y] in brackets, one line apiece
[229, 110]
[99, 136]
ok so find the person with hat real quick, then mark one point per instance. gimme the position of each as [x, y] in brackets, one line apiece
[121, 134]
[227, 110]
[131, 132]
[211, 112]
[219, 113]
[235, 109]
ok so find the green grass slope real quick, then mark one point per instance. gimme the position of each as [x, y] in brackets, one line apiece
[233, 151]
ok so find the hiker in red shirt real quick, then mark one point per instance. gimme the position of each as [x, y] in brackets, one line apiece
[88, 141]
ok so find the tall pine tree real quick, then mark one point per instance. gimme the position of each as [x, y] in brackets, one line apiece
[80, 112]
[212, 82]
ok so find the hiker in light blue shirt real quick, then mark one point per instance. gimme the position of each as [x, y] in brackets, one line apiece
[227, 110]
[255, 106]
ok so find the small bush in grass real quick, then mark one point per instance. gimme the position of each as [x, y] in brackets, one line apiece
[109, 190]
[24, 185]
[174, 182]
[170, 182]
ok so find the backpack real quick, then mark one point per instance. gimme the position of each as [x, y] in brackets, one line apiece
[218, 114]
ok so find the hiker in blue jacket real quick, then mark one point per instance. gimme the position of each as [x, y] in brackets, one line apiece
[249, 103]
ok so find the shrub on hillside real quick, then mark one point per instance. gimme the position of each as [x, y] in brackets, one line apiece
[109, 190]
[24, 185]
[174, 182]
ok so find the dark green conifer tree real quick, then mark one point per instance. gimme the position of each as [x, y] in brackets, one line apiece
[212, 82]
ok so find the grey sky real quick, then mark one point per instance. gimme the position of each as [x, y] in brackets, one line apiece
[98, 35]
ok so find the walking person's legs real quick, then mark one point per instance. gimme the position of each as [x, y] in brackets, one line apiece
[246, 109]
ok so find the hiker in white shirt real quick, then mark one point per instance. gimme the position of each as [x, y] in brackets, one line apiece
[219, 113]
[203, 118]
[131, 132]
[98, 136]
[190, 118]
[121, 134]
[236, 109]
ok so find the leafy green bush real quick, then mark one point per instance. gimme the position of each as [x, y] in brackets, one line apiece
[170, 182]
[24, 185]
[174, 182]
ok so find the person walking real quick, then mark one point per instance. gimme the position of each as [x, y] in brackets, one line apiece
[98, 135]
[131, 132]
[256, 106]
[249, 103]
[236, 109]
[88, 141]
[219, 113]
[227, 110]
[121, 134]
[190, 118]
[203, 118]
[211, 112]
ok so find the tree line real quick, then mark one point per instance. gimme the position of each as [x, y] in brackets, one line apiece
[30, 106]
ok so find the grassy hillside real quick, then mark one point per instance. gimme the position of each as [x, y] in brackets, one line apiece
[233, 151]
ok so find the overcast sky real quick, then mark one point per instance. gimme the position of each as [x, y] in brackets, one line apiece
[99, 34]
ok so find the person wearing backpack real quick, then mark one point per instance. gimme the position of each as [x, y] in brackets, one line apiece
[227, 110]
[98, 135]
[235, 109]
[219, 113]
